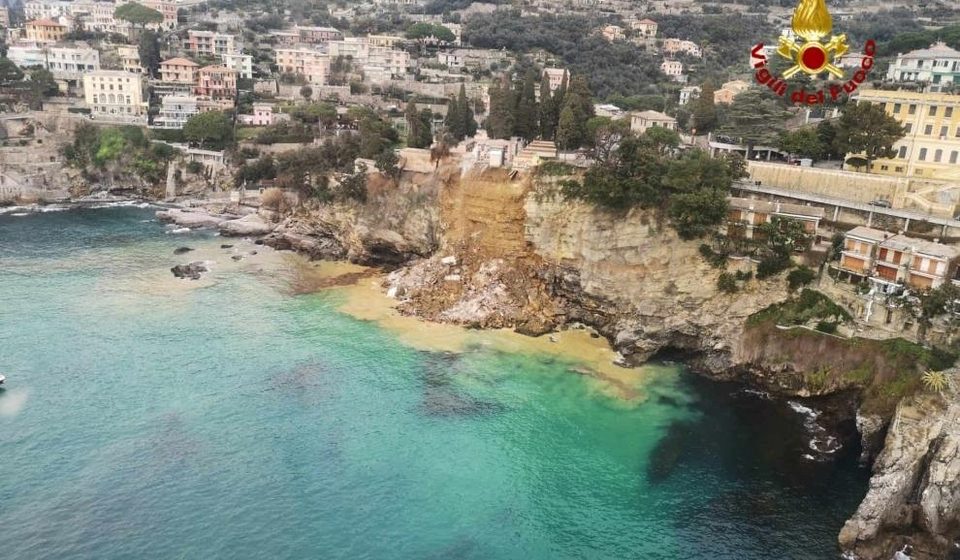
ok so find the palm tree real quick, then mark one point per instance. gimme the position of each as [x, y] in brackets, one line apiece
[935, 380]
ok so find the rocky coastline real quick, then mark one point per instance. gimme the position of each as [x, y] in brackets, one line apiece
[493, 255]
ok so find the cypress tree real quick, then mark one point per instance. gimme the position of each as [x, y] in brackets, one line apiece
[499, 122]
[568, 133]
[454, 121]
[468, 123]
[425, 139]
[527, 113]
[413, 125]
[548, 114]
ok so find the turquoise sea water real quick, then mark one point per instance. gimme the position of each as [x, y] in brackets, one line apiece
[149, 419]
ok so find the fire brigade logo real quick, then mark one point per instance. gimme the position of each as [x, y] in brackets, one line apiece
[814, 50]
[811, 23]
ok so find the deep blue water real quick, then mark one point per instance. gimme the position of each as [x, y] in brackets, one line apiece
[149, 418]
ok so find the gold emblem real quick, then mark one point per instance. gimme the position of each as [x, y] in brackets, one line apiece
[811, 23]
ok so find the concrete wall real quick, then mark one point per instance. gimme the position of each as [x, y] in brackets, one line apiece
[859, 187]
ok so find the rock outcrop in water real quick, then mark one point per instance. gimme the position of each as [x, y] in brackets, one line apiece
[914, 495]
[193, 270]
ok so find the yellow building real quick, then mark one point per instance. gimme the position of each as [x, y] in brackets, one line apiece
[45, 31]
[931, 146]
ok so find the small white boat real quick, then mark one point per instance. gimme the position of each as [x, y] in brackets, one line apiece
[2, 379]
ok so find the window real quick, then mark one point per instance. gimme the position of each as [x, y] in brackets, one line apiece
[923, 154]
[908, 128]
[898, 169]
[933, 110]
[884, 168]
[943, 131]
[948, 112]
[896, 107]
[953, 156]
[928, 130]
[912, 110]
[903, 152]
[937, 156]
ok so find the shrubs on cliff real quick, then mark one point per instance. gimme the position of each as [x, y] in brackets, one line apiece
[112, 153]
[690, 189]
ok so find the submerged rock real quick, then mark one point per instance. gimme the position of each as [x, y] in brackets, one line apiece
[181, 250]
[192, 270]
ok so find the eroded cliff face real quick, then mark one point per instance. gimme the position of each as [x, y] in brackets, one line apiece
[914, 495]
[398, 222]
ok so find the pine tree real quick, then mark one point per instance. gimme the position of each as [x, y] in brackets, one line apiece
[584, 97]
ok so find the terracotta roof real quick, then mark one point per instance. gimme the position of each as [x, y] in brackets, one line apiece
[648, 21]
[179, 62]
[938, 49]
[217, 68]
[45, 23]
[654, 116]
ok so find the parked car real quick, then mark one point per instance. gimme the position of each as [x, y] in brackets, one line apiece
[881, 203]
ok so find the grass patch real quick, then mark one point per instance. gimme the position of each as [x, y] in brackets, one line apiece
[808, 306]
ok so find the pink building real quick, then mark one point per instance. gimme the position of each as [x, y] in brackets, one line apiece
[263, 115]
[216, 82]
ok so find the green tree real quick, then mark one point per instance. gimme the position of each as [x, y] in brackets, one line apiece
[827, 134]
[525, 120]
[803, 142]
[149, 49]
[755, 119]
[454, 121]
[354, 185]
[138, 14]
[571, 130]
[387, 162]
[499, 122]
[866, 129]
[421, 31]
[698, 186]
[703, 111]
[212, 130]
[468, 120]
[415, 135]
[43, 83]
[306, 92]
[9, 72]
[548, 112]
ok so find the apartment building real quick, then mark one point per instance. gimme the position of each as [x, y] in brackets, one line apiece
[216, 82]
[675, 46]
[115, 95]
[45, 31]
[179, 70]
[613, 33]
[375, 56]
[674, 69]
[27, 55]
[937, 66]
[210, 43]
[129, 56]
[556, 77]
[688, 94]
[175, 111]
[642, 120]
[69, 63]
[725, 94]
[745, 215]
[314, 35]
[242, 63]
[645, 28]
[892, 261]
[314, 65]
[931, 146]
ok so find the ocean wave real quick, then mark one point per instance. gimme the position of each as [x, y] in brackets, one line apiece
[176, 230]
[820, 441]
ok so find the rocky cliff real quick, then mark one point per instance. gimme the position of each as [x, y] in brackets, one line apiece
[914, 496]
